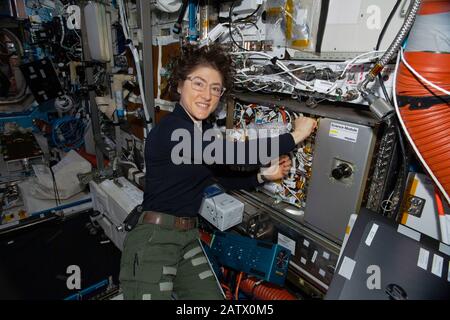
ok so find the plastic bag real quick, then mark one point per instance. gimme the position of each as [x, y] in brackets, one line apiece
[292, 23]
[274, 26]
[302, 21]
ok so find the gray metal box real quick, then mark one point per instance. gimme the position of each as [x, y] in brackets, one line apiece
[332, 197]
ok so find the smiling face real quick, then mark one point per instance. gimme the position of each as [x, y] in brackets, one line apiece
[200, 103]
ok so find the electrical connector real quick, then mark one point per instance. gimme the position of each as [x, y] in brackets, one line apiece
[380, 107]
[214, 34]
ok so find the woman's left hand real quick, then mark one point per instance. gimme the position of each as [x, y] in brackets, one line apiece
[279, 168]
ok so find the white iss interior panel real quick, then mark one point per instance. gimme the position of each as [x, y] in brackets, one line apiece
[354, 25]
[115, 200]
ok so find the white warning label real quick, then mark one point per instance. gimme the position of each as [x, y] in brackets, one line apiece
[343, 132]
[286, 242]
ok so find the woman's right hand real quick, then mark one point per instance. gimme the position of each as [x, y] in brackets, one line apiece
[303, 127]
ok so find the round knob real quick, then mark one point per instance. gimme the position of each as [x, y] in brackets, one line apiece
[343, 170]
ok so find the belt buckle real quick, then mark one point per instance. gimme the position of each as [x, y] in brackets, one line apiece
[184, 223]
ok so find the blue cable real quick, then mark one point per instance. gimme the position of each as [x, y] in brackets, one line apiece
[192, 20]
[80, 294]
[68, 133]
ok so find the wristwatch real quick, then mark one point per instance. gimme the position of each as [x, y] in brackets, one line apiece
[261, 178]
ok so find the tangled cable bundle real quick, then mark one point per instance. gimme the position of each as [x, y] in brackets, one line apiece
[68, 133]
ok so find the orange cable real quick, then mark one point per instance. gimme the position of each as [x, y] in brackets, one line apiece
[236, 295]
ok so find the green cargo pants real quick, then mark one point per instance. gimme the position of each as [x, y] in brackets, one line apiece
[158, 261]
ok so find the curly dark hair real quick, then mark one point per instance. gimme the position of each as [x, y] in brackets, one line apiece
[193, 56]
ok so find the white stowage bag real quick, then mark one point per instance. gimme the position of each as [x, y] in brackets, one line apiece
[65, 172]
[169, 6]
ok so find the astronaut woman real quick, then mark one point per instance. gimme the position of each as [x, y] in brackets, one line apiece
[162, 257]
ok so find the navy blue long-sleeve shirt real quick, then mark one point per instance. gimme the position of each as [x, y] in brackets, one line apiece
[177, 189]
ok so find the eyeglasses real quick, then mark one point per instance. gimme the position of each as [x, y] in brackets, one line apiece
[198, 84]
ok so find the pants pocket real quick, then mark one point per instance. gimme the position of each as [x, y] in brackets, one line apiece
[137, 246]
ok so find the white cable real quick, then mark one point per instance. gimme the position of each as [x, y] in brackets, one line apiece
[260, 53]
[114, 164]
[241, 118]
[289, 116]
[137, 64]
[239, 105]
[384, 205]
[351, 62]
[268, 79]
[278, 63]
[141, 85]
[389, 202]
[240, 34]
[130, 163]
[413, 145]
[295, 69]
[239, 31]
[124, 9]
[289, 71]
[75, 30]
[158, 96]
[62, 33]
[354, 61]
[251, 25]
[122, 19]
[287, 188]
[258, 89]
[276, 74]
[281, 65]
[420, 76]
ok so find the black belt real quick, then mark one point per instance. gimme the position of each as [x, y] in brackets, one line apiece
[179, 223]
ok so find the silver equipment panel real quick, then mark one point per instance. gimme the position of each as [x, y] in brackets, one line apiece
[342, 157]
